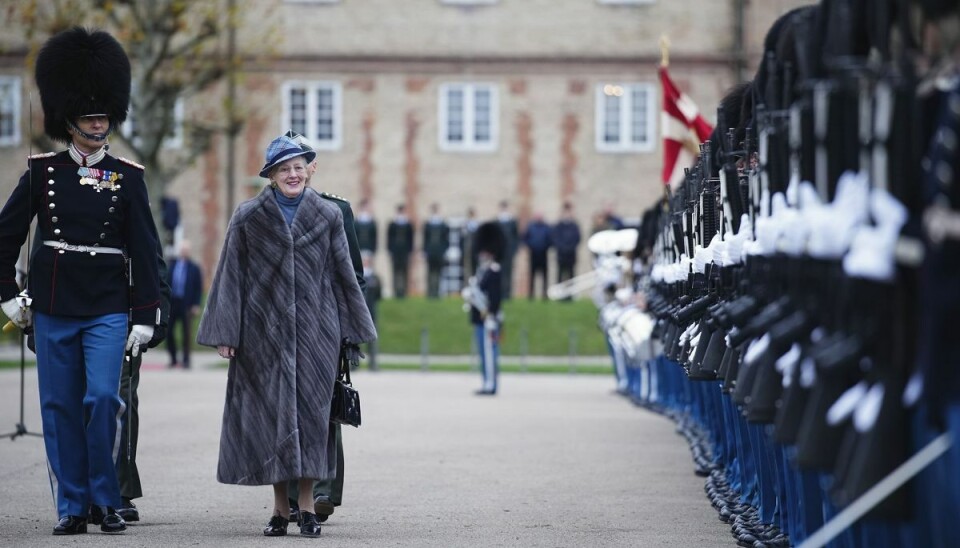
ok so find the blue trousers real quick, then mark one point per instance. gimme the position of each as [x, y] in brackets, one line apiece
[488, 344]
[78, 364]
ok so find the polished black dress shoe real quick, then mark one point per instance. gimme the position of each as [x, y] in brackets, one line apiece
[112, 522]
[277, 527]
[309, 526]
[71, 525]
[323, 507]
[128, 511]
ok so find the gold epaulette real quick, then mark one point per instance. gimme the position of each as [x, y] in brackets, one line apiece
[130, 163]
[334, 197]
[41, 155]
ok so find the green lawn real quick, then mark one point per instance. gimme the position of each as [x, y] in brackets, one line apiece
[546, 326]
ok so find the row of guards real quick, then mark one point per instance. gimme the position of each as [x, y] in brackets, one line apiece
[795, 307]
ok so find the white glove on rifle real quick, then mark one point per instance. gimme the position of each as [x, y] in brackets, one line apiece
[490, 323]
[18, 310]
[140, 335]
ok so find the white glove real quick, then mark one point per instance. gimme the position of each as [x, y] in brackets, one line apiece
[139, 336]
[490, 324]
[17, 309]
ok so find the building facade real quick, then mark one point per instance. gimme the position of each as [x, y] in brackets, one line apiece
[460, 102]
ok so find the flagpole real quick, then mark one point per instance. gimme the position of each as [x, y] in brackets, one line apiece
[664, 51]
[664, 63]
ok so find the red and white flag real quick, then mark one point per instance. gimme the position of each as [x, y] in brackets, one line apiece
[683, 130]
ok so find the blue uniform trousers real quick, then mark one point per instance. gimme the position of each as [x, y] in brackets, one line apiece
[489, 347]
[79, 360]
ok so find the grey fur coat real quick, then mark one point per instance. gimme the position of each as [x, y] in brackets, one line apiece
[284, 297]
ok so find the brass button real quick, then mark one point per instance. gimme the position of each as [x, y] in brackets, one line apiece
[50, 169]
[93, 253]
[54, 219]
[50, 182]
[53, 206]
[107, 223]
[112, 209]
[62, 252]
[103, 235]
[114, 199]
[56, 231]
[50, 193]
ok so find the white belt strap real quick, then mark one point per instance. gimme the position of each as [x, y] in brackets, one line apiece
[63, 246]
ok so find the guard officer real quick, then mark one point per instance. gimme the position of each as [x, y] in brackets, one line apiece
[400, 245]
[436, 240]
[484, 293]
[97, 267]
[511, 239]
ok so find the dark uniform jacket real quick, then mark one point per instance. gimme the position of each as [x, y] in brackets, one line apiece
[436, 240]
[488, 278]
[511, 236]
[566, 238]
[348, 229]
[83, 284]
[400, 239]
[366, 230]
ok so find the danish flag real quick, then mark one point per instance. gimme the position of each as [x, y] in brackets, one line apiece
[683, 129]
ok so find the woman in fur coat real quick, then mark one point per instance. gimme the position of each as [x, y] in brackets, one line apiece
[283, 300]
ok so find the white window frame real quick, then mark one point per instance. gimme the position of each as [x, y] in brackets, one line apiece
[174, 140]
[311, 87]
[469, 144]
[626, 144]
[13, 83]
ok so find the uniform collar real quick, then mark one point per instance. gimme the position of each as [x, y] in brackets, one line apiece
[86, 160]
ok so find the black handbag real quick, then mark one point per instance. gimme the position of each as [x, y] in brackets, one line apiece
[345, 404]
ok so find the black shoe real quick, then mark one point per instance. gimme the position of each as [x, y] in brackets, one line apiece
[277, 527]
[128, 511]
[322, 506]
[95, 514]
[309, 526]
[71, 525]
[485, 392]
[112, 522]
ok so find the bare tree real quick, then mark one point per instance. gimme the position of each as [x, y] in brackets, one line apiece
[177, 49]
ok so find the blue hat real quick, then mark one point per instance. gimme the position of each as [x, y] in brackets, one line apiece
[282, 149]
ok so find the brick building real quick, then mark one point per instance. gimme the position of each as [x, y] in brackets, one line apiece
[460, 102]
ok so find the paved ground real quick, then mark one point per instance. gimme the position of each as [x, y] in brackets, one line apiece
[554, 460]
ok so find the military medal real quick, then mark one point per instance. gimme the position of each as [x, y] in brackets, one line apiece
[99, 179]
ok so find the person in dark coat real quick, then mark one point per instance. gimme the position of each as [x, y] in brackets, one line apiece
[511, 235]
[566, 239]
[186, 286]
[400, 245]
[283, 333]
[92, 212]
[537, 237]
[484, 294]
[366, 228]
[436, 240]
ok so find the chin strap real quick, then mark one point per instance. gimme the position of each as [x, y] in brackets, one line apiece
[99, 137]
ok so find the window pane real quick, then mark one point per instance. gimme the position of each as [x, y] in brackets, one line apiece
[325, 114]
[611, 120]
[638, 132]
[298, 110]
[455, 115]
[481, 127]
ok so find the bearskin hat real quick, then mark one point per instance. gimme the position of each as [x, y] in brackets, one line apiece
[80, 72]
[490, 238]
